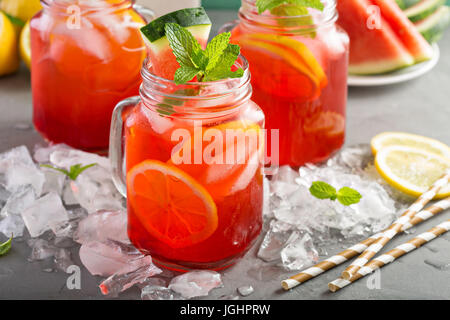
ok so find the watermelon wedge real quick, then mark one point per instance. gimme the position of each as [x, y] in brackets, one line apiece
[162, 59]
[405, 30]
[372, 50]
[432, 27]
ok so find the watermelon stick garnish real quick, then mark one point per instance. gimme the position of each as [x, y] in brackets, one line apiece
[178, 49]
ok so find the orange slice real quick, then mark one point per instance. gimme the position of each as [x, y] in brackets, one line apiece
[231, 172]
[294, 71]
[171, 205]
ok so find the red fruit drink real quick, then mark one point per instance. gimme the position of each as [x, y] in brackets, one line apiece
[189, 212]
[299, 78]
[86, 58]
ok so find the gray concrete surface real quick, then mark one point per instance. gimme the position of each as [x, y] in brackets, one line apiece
[420, 106]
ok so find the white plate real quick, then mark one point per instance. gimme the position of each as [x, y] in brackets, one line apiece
[401, 75]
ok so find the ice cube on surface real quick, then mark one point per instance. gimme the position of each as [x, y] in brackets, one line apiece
[54, 181]
[123, 281]
[12, 226]
[40, 249]
[196, 283]
[17, 170]
[111, 257]
[11, 222]
[94, 195]
[63, 259]
[299, 252]
[274, 240]
[101, 226]
[245, 290]
[45, 213]
[42, 153]
[152, 292]
[65, 158]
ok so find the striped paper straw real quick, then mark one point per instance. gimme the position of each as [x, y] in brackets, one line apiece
[349, 253]
[391, 255]
[395, 228]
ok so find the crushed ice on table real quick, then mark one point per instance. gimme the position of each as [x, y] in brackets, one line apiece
[196, 283]
[245, 290]
[299, 252]
[110, 257]
[157, 292]
[302, 222]
[90, 211]
[119, 282]
[45, 213]
[17, 169]
[103, 225]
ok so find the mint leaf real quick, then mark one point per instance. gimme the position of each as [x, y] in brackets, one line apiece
[222, 70]
[182, 43]
[348, 196]
[216, 48]
[77, 169]
[185, 74]
[5, 247]
[74, 171]
[322, 190]
[213, 63]
[264, 5]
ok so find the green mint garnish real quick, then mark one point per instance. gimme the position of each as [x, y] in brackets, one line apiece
[74, 171]
[288, 7]
[5, 247]
[211, 64]
[345, 195]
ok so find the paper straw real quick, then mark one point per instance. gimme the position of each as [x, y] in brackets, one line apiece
[391, 255]
[395, 228]
[349, 253]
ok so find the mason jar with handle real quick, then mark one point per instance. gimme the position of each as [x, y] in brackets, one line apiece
[299, 77]
[86, 57]
[192, 169]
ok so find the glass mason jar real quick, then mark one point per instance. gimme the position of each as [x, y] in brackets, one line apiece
[299, 78]
[192, 172]
[86, 57]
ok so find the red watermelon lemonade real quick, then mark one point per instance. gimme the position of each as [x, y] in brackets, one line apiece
[298, 59]
[193, 148]
[86, 58]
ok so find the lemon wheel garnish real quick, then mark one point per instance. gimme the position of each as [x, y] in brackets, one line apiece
[387, 139]
[412, 170]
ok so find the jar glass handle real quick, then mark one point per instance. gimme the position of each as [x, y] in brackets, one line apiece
[116, 143]
[145, 12]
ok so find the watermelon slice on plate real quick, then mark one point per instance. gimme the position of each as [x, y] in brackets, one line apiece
[162, 59]
[372, 50]
[405, 30]
[433, 26]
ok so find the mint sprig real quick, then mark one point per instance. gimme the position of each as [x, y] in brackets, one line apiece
[5, 247]
[203, 64]
[346, 196]
[288, 7]
[74, 170]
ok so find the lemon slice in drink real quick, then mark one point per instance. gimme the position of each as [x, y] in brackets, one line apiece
[412, 170]
[386, 139]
